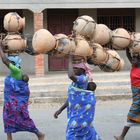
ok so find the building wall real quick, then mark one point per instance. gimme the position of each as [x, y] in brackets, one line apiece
[137, 20]
[28, 63]
[45, 27]
[89, 12]
[36, 5]
[29, 29]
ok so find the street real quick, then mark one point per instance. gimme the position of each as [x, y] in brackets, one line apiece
[109, 120]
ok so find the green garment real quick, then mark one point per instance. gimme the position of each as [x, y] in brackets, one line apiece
[15, 72]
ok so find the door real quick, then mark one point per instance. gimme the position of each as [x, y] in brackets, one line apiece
[60, 21]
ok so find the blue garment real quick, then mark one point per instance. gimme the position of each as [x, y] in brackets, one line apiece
[81, 109]
[15, 113]
[81, 82]
[16, 59]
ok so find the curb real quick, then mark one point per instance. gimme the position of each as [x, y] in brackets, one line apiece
[106, 97]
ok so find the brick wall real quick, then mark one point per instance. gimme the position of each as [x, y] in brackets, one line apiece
[39, 59]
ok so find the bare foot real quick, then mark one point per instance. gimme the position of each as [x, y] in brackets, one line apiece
[118, 138]
[41, 136]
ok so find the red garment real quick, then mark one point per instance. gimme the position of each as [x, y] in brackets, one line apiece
[135, 76]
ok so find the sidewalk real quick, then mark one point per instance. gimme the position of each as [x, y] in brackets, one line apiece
[53, 86]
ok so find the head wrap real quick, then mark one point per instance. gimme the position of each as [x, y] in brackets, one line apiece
[16, 59]
[87, 69]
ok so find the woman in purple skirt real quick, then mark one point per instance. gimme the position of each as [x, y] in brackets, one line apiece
[16, 95]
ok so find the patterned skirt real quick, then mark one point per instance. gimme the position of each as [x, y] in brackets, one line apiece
[81, 111]
[15, 112]
[134, 112]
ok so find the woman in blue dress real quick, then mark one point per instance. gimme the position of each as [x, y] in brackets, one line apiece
[80, 105]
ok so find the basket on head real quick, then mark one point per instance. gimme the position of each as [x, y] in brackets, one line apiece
[102, 34]
[114, 63]
[64, 45]
[99, 55]
[13, 22]
[14, 43]
[82, 47]
[135, 45]
[43, 41]
[85, 26]
[120, 39]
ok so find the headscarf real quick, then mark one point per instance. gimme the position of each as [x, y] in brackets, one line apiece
[87, 69]
[16, 59]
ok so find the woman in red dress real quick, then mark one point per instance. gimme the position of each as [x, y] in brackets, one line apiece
[133, 117]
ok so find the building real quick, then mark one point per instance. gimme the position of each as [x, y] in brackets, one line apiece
[58, 15]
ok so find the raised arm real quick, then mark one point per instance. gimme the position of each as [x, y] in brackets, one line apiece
[29, 48]
[71, 73]
[3, 56]
[128, 55]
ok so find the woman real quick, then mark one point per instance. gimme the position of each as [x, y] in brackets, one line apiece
[81, 105]
[16, 95]
[91, 86]
[133, 117]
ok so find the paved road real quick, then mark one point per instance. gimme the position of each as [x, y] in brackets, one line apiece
[109, 120]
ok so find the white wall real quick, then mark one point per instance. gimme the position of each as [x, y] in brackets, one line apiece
[29, 28]
[40, 5]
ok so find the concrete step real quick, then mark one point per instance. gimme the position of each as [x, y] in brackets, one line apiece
[61, 90]
[55, 84]
[63, 76]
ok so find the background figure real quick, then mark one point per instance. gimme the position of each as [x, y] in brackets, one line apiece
[16, 96]
[133, 117]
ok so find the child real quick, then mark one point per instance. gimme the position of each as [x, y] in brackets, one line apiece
[91, 86]
[25, 78]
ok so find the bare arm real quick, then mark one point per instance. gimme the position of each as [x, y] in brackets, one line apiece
[3, 56]
[64, 106]
[128, 55]
[71, 73]
[61, 109]
[29, 48]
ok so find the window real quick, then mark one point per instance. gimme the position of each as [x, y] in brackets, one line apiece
[117, 18]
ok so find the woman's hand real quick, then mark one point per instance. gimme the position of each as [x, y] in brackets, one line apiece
[57, 113]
